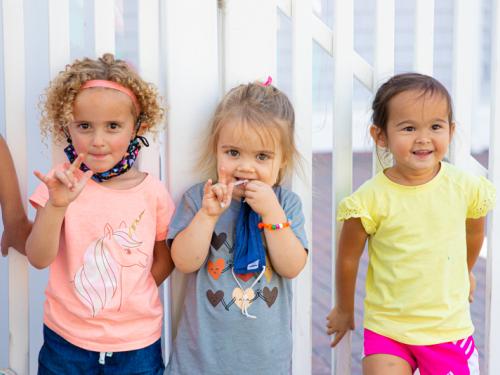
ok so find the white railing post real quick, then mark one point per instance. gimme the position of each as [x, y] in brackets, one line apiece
[148, 28]
[492, 308]
[257, 59]
[465, 41]
[15, 119]
[59, 51]
[104, 27]
[383, 67]
[149, 68]
[424, 37]
[343, 45]
[192, 89]
[302, 100]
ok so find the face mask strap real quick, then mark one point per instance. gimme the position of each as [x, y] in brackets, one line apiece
[66, 134]
[141, 138]
[124, 165]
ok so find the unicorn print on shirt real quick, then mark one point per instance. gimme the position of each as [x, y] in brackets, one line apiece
[98, 281]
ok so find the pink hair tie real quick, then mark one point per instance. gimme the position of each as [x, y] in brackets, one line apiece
[268, 82]
[115, 86]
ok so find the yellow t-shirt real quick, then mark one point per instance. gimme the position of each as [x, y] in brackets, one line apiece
[417, 283]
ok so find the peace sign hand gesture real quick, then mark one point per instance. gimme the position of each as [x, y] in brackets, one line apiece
[64, 186]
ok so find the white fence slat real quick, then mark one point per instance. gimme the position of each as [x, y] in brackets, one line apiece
[149, 67]
[59, 52]
[384, 41]
[465, 40]
[362, 71]
[383, 67]
[249, 51]
[15, 119]
[104, 27]
[492, 308]
[424, 37]
[343, 44]
[286, 7]
[192, 90]
[302, 100]
[322, 34]
[148, 15]
[59, 47]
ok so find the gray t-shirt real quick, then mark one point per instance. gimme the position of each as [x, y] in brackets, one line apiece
[214, 337]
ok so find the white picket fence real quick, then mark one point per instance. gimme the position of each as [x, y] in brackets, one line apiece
[195, 50]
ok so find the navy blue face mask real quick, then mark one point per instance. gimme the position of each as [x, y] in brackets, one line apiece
[249, 251]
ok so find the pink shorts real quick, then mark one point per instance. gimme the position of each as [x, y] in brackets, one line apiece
[449, 358]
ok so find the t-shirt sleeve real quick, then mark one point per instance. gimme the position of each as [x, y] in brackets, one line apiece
[164, 210]
[353, 207]
[482, 198]
[186, 209]
[292, 206]
[40, 196]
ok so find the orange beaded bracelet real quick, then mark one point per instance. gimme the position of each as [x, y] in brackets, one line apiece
[274, 226]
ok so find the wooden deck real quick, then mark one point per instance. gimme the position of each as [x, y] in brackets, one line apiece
[322, 261]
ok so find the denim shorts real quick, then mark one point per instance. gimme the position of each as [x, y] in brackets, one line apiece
[59, 357]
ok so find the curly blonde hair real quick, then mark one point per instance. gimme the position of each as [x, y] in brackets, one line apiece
[57, 102]
[260, 107]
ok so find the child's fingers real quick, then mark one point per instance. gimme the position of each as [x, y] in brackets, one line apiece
[229, 194]
[338, 336]
[5, 248]
[71, 177]
[76, 164]
[220, 191]
[208, 187]
[255, 186]
[40, 176]
[224, 177]
[62, 176]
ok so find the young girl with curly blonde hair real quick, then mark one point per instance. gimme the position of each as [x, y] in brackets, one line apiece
[101, 224]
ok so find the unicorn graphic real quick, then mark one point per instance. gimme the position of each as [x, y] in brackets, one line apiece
[98, 282]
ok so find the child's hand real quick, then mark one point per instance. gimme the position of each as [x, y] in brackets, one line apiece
[64, 186]
[15, 234]
[472, 281]
[217, 197]
[339, 322]
[261, 197]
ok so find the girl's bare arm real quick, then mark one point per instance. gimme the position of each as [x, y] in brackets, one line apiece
[16, 224]
[162, 262]
[351, 245]
[43, 242]
[190, 247]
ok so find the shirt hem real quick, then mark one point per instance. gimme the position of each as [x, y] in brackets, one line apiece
[104, 348]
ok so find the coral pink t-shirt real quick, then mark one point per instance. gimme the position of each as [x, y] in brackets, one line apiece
[101, 295]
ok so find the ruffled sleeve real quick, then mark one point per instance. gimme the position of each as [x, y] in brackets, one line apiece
[482, 200]
[352, 207]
